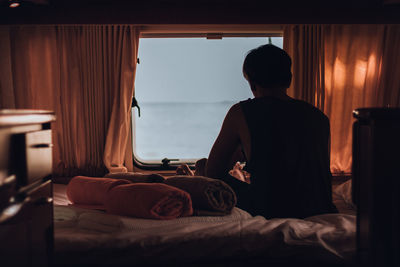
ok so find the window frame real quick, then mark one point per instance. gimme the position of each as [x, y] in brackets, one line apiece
[194, 31]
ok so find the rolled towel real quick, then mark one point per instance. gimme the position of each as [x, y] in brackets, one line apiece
[135, 177]
[91, 192]
[207, 194]
[149, 201]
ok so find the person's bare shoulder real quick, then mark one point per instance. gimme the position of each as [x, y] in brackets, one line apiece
[234, 113]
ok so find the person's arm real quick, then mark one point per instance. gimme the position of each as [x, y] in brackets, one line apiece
[219, 160]
[237, 156]
[329, 141]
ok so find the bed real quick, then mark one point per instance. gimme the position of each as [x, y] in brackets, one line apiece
[84, 237]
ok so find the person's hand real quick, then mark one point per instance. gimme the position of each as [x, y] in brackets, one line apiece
[200, 167]
[184, 169]
[239, 173]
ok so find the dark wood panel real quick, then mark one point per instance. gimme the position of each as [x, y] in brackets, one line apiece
[26, 204]
[27, 238]
[31, 156]
[376, 185]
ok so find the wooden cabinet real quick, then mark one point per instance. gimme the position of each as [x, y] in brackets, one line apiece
[376, 185]
[26, 204]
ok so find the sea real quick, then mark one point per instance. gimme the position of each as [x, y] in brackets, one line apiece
[177, 130]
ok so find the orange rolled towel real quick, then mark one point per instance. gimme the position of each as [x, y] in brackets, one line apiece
[90, 191]
[149, 200]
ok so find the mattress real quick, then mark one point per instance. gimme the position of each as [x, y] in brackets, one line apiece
[94, 237]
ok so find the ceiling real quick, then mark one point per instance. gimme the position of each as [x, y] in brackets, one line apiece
[199, 11]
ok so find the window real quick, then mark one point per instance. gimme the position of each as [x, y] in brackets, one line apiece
[184, 87]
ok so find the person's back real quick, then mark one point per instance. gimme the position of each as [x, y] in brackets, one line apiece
[285, 142]
[289, 163]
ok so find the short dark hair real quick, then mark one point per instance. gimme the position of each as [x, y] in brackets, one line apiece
[268, 66]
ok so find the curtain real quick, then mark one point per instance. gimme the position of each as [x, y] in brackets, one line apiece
[86, 75]
[389, 82]
[361, 70]
[359, 67]
[305, 44]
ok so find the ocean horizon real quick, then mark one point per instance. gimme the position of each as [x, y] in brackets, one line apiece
[177, 130]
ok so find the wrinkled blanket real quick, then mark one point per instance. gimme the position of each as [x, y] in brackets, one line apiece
[93, 237]
[85, 237]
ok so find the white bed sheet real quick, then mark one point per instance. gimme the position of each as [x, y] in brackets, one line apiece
[90, 236]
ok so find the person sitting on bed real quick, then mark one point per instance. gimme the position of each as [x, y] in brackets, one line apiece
[285, 142]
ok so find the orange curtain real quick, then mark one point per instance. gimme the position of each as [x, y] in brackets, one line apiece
[86, 75]
[389, 82]
[361, 70]
[305, 44]
[358, 65]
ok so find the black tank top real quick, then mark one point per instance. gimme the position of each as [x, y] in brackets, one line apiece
[289, 164]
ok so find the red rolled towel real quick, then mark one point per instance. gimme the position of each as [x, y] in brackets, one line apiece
[91, 192]
[136, 177]
[150, 201]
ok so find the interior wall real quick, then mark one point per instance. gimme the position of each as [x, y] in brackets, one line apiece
[6, 84]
